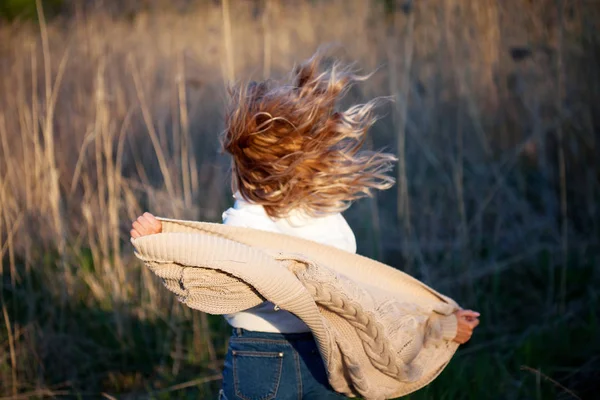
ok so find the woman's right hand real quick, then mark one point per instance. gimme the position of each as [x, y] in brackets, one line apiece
[145, 224]
[467, 321]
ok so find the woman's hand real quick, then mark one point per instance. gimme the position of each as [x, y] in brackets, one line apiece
[467, 321]
[146, 224]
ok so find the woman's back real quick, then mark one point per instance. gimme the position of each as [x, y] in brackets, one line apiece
[332, 230]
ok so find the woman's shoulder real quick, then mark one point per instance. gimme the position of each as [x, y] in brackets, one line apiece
[248, 215]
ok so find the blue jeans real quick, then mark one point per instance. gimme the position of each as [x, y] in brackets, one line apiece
[264, 366]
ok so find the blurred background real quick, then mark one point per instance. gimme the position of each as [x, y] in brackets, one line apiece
[110, 108]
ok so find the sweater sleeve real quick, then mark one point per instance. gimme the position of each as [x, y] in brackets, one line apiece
[414, 344]
[201, 288]
[446, 326]
[411, 328]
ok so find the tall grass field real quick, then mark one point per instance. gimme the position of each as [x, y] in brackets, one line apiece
[112, 108]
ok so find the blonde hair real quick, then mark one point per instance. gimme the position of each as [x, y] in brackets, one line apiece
[291, 149]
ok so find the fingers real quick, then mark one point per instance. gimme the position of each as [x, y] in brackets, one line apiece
[467, 313]
[467, 322]
[145, 224]
[140, 228]
[156, 224]
[473, 324]
[462, 338]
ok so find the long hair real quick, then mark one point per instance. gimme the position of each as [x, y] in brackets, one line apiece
[292, 150]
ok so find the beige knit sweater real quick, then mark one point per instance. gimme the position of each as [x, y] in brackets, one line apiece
[381, 333]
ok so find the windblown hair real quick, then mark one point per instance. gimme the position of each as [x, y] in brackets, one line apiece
[291, 148]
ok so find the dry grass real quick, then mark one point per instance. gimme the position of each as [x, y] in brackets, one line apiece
[495, 123]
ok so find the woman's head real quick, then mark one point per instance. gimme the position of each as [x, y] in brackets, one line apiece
[291, 148]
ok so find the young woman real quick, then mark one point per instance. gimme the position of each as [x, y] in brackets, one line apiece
[297, 164]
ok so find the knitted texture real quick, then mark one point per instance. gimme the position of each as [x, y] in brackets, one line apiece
[381, 333]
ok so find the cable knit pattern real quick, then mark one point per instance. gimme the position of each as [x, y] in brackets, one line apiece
[381, 333]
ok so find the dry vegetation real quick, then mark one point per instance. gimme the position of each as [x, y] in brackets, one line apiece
[106, 112]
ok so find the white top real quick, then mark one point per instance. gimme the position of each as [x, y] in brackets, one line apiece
[331, 230]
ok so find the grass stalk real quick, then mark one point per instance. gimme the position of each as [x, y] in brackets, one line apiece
[35, 123]
[162, 160]
[48, 131]
[11, 346]
[564, 224]
[228, 41]
[266, 21]
[185, 132]
[402, 98]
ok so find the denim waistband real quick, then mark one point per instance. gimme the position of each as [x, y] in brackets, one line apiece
[239, 332]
